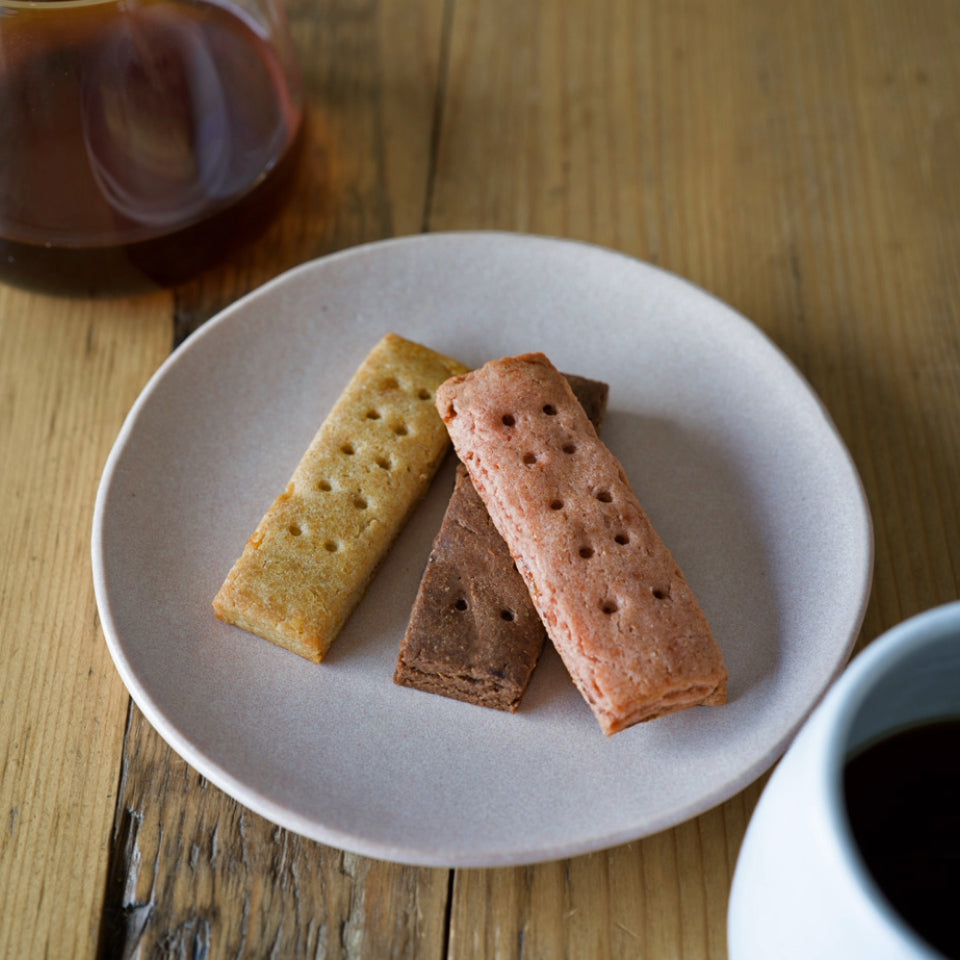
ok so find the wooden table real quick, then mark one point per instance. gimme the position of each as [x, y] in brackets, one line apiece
[799, 160]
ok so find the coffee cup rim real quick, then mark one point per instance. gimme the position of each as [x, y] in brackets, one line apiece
[894, 648]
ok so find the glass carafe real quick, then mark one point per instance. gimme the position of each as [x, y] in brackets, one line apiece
[140, 140]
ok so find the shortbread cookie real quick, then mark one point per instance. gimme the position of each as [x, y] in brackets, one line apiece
[610, 594]
[312, 555]
[473, 634]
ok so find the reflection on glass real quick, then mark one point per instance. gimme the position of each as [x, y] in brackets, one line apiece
[139, 138]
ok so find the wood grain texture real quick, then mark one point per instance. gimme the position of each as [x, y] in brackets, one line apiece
[192, 873]
[790, 159]
[663, 896]
[797, 160]
[68, 374]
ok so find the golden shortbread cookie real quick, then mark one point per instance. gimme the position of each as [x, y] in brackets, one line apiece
[311, 557]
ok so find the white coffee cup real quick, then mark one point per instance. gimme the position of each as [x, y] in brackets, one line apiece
[801, 889]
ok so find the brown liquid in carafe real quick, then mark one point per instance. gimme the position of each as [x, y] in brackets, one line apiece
[138, 142]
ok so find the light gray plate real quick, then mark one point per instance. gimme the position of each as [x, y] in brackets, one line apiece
[731, 453]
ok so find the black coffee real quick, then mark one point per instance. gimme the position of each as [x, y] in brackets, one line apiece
[904, 807]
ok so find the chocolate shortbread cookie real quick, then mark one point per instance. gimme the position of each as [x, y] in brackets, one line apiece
[474, 634]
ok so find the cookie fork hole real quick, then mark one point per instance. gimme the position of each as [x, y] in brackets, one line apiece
[331, 546]
[461, 604]
[508, 420]
[609, 607]
[604, 496]
[661, 593]
[586, 552]
[529, 459]
[294, 530]
[507, 615]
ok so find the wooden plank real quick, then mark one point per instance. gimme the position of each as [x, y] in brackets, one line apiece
[69, 371]
[662, 896]
[794, 160]
[194, 874]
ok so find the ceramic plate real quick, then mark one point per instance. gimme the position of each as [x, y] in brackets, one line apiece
[729, 450]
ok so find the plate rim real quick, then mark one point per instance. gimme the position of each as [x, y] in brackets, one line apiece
[283, 816]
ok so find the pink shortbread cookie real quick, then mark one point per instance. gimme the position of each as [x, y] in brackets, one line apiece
[611, 596]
